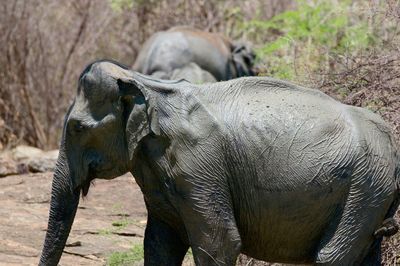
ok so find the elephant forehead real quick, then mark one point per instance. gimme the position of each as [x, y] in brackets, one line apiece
[112, 70]
[100, 82]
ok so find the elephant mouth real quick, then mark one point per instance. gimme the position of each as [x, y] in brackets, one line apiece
[92, 174]
[100, 173]
[85, 187]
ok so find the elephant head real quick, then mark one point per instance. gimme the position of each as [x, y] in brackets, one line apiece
[243, 59]
[110, 105]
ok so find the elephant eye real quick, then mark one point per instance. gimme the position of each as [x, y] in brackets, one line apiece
[79, 127]
[76, 126]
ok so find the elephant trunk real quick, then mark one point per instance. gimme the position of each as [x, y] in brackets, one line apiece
[63, 206]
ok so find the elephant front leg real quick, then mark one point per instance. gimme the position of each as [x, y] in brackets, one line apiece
[217, 248]
[162, 245]
[212, 231]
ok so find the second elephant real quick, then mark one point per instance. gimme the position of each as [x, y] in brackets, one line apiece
[193, 73]
[174, 49]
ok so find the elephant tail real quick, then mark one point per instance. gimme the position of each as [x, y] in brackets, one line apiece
[390, 226]
[396, 202]
[397, 178]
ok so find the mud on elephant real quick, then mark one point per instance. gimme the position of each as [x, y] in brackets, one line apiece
[260, 166]
[166, 51]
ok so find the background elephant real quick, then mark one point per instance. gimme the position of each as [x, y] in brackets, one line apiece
[179, 46]
[254, 165]
[193, 73]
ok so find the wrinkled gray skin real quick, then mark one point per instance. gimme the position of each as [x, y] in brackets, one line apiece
[254, 165]
[174, 49]
[193, 73]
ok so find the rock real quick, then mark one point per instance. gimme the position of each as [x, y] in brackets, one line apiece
[45, 163]
[51, 154]
[23, 152]
[8, 167]
[74, 244]
[35, 159]
[17, 248]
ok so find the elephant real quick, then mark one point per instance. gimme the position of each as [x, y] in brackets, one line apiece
[253, 165]
[175, 48]
[193, 73]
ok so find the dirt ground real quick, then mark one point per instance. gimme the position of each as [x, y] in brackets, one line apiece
[24, 201]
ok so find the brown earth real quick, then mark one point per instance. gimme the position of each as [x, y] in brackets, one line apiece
[24, 201]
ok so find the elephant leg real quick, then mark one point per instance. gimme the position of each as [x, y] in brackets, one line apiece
[213, 244]
[374, 256]
[212, 231]
[349, 240]
[162, 245]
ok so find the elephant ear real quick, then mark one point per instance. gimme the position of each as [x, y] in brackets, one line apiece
[243, 59]
[141, 114]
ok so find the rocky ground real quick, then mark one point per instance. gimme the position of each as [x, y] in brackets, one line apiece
[112, 218]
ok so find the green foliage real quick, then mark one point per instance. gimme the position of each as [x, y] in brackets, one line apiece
[121, 224]
[118, 225]
[189, 253]
[105, 232]
[308, 35]
[119, 5]
[136, 253]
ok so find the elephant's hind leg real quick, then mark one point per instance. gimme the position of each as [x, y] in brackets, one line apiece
[353, 238]
[388, 228]
[374, 256]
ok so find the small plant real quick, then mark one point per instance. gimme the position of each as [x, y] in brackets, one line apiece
[136, 253]
[105, 232]
[120, 223]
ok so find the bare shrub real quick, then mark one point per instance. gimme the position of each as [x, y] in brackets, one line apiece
[41, 48]
[47, 43]
[370, 80]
